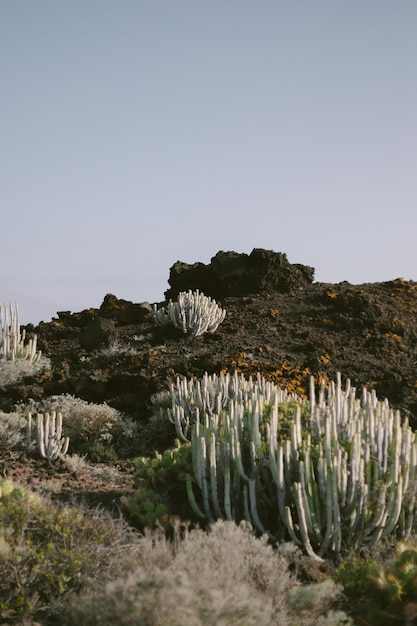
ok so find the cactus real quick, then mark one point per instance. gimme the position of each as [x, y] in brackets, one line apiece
[214, 393]
[12, 340]
[51, 444]
[194, 313]
[341, 477]
[148, 509]
[160, 480]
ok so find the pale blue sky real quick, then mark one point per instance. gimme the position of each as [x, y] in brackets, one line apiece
[137, 133]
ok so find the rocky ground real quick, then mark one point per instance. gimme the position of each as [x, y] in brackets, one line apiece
[279, 322]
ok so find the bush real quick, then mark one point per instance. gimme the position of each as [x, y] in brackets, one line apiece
[13, 372]
[160, 488]
[384, 591]
[48, 552]
[12, 430]
[226, 577]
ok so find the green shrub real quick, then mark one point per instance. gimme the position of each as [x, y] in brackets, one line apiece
[12, 431]
[384, 591]
[48, 552]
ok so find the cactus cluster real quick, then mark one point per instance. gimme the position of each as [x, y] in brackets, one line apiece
[159, 482]
[193, 313]
[214, 394]
[146, 506]
[342, 476]
[12, 339]
[51, 444]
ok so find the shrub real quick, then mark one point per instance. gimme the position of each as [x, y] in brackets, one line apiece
[160, 488]
[13, 372]
[131, 437]
[48, 552]
[225, 577]
[384, 590]
[12, 430]
[194, 314]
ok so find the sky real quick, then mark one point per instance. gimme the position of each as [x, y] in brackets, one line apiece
[137, 133]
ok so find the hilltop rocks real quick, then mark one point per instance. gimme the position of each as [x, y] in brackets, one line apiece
[281, 325]
[231, 274]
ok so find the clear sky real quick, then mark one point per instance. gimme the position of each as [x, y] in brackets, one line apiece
[135, 133]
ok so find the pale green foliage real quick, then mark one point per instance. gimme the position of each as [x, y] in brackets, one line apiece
[12, 430]
[193, 313]
[226, 577]
[13, 372]
[334, 618]
[75, 462]
[345, 475]
[313, 598]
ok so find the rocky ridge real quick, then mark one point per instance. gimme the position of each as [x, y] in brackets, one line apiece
[279, 322]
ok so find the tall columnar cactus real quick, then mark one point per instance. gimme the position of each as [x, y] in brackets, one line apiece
[342, 477]
[51, 444]
[193, 313]
[12, 340]
[214, 393]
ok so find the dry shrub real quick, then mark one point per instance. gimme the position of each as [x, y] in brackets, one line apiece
[12, 430]
[226, 577]
[13, 372]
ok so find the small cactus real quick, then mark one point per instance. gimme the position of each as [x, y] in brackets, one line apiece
[12, 340]
[51, 444]
[194, 314]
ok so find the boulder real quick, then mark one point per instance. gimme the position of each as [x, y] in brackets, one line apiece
[236, 274]
[124, 312]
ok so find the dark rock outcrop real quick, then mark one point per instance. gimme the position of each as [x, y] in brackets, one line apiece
[97, 332]
[233, 274]
[124, 311]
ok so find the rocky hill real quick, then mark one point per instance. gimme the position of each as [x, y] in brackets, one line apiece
[279, 322]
